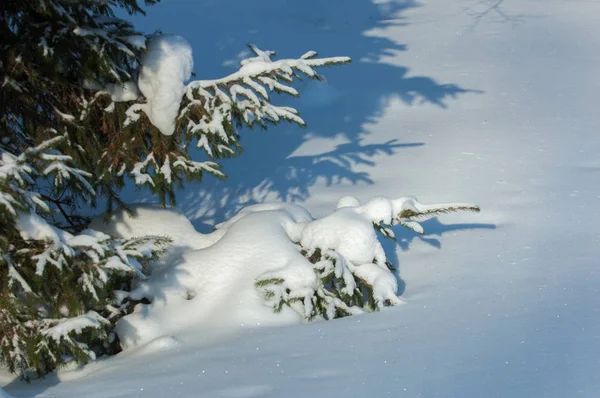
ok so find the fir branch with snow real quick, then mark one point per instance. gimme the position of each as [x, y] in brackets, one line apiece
[123, 100]
[49, 277]
[207, 114]
[349, 272]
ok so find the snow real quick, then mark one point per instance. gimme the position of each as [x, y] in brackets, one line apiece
[500, 303]
[75, 324]
[138, 41]
[346, 232]
[166, 66]
[150, 220]
[123, 92]
[33, 227]
[192, 294]
[195, 292]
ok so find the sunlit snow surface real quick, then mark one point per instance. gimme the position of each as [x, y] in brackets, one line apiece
[496, 107]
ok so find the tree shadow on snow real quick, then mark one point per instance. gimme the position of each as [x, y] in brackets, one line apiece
[336, 110]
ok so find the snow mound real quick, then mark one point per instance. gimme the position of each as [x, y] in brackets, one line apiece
[218, 281]
[269, 264]
[148, 219]
[166, 66]
[212, 288]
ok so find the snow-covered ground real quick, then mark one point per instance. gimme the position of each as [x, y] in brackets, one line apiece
[490, 102]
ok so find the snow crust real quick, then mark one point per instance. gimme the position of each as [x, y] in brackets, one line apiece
[166, 66]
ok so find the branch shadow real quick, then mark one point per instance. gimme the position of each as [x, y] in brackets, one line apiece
[493, 10]
[433, 228]
[336, 110]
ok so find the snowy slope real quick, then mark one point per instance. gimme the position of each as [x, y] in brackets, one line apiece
[491, 102]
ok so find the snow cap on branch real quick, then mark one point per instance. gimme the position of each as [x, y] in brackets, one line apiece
[167, 64]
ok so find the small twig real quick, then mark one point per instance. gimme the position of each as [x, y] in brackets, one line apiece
[59, 204]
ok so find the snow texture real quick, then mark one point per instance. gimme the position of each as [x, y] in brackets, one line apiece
[346, 232]
[166, 66]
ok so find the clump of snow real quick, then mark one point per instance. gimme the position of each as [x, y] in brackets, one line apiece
[33, 227]
[76, 324]
[149, 219]
[347, 232]
[348, 201]
[385, 286]
[166, 66]
[123, 92]
[138, 41]
[210, 288]
[153, 220]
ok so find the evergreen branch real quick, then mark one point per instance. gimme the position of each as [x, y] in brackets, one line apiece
[435, 210]
[260, 66]
[270, 281]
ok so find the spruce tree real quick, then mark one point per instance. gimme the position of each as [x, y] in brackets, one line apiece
[81, 112]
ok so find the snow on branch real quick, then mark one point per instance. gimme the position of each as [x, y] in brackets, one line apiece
[403, 211]
[18, 175]
[148, 170]
[349, 272]
[215, 107]
[63, 327]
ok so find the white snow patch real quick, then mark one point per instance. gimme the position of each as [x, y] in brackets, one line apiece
[123, 92]
[346, 232]
[89, 320]
[213, 286]
[138, 41]
[33, 227]
[167, 64]
[151, 220]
